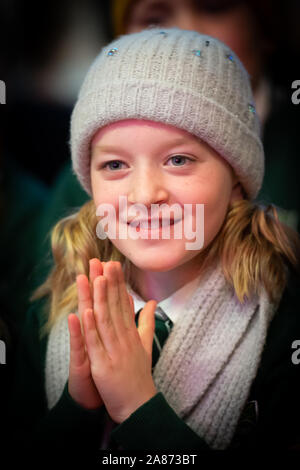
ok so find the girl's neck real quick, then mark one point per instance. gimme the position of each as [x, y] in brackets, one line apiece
[160, 285]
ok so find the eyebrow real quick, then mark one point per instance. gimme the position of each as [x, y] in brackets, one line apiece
[164, 147]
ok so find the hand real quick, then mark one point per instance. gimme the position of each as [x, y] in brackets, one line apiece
[81, 385]
[120, 354]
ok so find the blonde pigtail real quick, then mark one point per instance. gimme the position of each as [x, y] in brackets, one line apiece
[257, 249]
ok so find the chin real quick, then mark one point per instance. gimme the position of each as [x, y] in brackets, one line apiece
[157, 264]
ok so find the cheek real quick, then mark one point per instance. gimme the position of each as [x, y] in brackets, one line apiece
[211, 186]
[101, 191]
[214, 192]
[103, 196]
[214, 215]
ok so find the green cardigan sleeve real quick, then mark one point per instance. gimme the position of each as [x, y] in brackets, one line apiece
[156, 427]
[67, 423]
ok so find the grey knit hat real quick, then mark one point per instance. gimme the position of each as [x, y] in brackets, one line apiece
[177, 77]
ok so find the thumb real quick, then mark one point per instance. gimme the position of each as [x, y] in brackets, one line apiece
[146, 326]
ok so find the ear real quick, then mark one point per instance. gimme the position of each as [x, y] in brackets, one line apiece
[237, 191]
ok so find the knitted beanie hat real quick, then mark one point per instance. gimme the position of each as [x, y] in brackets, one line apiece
[181, 78]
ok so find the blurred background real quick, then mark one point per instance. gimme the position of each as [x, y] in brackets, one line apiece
[45, 51]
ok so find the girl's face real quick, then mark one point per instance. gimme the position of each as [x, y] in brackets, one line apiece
[153, 163]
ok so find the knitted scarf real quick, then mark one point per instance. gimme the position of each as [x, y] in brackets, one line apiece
[207, 364]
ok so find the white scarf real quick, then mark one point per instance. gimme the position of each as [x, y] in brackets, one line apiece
[207, 364]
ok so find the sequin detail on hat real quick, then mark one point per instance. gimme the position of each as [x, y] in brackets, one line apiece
[112, 51]
[207, 43]
[230, 57]
[163, 32]
[196, 52]
[251, 108]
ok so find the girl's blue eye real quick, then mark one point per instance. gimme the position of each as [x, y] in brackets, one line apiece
[177, 158]
[113, 165]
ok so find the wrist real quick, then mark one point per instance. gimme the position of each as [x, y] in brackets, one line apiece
[88, 401]
[130, 409]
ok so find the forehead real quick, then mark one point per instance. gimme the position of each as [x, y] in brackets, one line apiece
[130, 124]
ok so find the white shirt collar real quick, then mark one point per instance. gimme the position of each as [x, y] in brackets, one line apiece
[173, 305]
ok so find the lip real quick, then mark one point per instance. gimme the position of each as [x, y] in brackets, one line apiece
[146, 223]
[155, 230]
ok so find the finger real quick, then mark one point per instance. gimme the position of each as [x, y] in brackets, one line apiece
[103, 319]
[113, 298]
[95, 270]
[132, 306]
[93, 343]
[84, 294]
[146, 326]
[77, 347]
[126, 305]
[133, 313]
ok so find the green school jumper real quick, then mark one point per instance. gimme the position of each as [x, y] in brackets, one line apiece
[155, 426]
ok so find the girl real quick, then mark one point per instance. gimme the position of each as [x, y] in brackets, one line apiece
[165, 117]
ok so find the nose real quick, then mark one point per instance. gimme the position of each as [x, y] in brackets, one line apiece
[147, 187]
